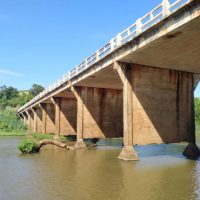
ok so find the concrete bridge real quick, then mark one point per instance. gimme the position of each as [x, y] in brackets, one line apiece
[139, 86]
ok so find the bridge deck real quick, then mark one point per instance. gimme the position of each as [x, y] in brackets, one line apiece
[167, 37]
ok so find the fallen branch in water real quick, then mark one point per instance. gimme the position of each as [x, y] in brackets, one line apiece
[30, 145]
[53, 142]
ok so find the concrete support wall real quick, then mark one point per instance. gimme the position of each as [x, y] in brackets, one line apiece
[25, 118]
[50, 118]
[57, 103]
[159, 104]
[44, 116]
[30, 120]
[39, 120]
[68, 116]
[99, 112]
[34, 120]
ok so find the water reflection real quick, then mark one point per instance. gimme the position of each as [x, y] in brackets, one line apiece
[162, 173]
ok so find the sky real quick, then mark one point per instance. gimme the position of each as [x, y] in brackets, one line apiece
[41, 40]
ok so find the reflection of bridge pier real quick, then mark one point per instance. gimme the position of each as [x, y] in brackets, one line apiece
[140, 85]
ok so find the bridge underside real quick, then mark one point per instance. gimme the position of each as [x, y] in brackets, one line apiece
[178, 50]
[147, 104]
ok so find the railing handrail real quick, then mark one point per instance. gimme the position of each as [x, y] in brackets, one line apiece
[166, 8]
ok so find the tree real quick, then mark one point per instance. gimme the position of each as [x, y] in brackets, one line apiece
[8, 93]
[36, 89]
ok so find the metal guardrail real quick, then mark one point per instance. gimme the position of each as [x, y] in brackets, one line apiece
[166, 8]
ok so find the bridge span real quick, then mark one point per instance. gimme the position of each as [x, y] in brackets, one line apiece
[139, 86]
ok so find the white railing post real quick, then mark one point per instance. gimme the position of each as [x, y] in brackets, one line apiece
[76, 72]
[97, 55]
[119, 39]
[166, 7]
[138, 26]
[86, 63]
[112, 46]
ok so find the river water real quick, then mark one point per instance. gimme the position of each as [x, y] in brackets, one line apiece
[94, 174]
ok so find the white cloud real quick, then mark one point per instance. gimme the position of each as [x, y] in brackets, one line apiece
[9, 73]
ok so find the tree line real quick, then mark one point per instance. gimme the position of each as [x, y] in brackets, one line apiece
[10, 100]
[11, 97]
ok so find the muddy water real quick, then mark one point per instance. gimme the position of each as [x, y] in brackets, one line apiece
[55, 174]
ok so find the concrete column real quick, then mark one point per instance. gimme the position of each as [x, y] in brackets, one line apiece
[79, 94]
[34, 119]
[57, 103]
[192, 150]
[21, 117]
[44, 117]
[25, 118]
[28, 112]
[124, 71]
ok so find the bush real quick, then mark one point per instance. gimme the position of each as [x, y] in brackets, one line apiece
[28, 146]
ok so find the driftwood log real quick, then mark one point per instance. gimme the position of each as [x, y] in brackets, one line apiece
[53, 142]
[57, 143]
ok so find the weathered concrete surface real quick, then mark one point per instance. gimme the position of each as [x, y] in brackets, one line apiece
[102, 114]
[25, 118]
[56, 104]
[68, 116]
[39, 120]
[30, 121]
[161, 104]
[50, 118]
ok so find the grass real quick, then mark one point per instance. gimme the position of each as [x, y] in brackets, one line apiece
[16, 133]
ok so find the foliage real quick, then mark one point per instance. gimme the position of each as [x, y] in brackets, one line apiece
[28, 145]
[13, 133]
[10, 122]
[10, 100]
[197, 111]
[36, 89]
[10, 96]
[8, 93]
[39, 136]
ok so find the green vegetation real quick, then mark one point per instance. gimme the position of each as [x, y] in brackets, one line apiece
[10, 100]
[40, 136]
[28, 146]
[30, 143]
[197, 111]
[11, 97]
[9, 121]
